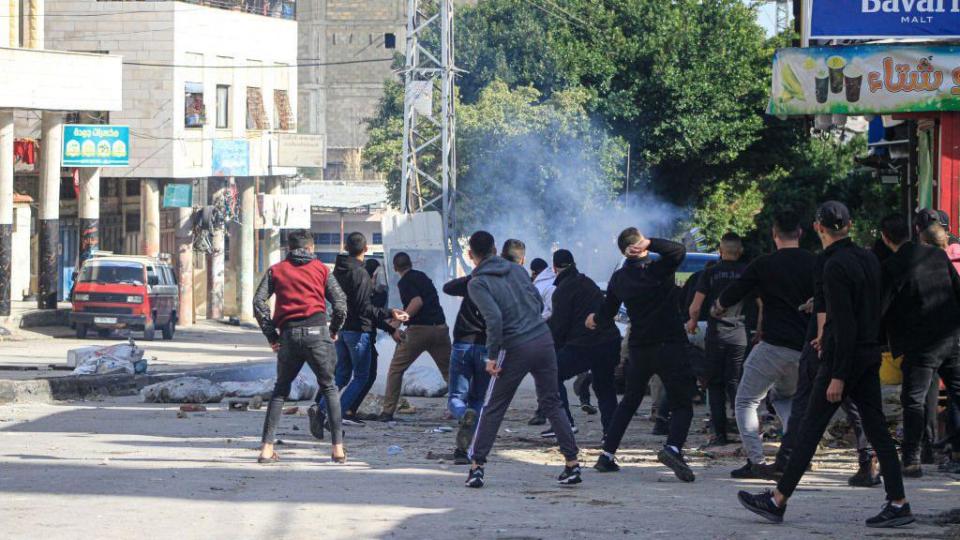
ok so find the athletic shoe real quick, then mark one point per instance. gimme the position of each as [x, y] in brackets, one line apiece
[868, 475]
[606, 464]
[718, 440]
[892, 516]
[537, 420]
[767, 471]
[468, 424]
[570, 476]
[677, 464]
[550, 434]
[475, 478]
[912, 470]
[385, 417]
[317, 419]
[588, 408]
[460, 457]
[762, 504]
[745, 472]
[353, 421]
[367, 417]
[661, 428]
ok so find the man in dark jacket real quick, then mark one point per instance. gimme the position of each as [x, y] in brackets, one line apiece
[518, 343]
[355, 342]
[299, 331]
[579, 348]
[468, 361]
[657, 343]
[851, 367]
[922, 300]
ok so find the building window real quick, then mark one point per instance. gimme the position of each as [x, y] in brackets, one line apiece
[326, 239]
[87, 117]
[195, 110]
[282, 112]
[132, 188]
[256, 114]
[223, 106]
[389, 40]
[377, 238]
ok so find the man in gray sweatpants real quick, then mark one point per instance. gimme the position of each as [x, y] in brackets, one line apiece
[518, 342]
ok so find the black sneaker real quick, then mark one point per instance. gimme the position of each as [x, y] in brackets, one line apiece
[317, 419]
[744, 472]
[468, 424]
[891, 516]
[385, 417]
[718, 440]
[353, 421]
[570, 476]
[767, 471]
[762, 504]
[588, 408]
[460, 457]
[661, 428]
[868, 475]
[677, 464]
[550, 434]
[537, 420]
[606, 464]
[475, 478]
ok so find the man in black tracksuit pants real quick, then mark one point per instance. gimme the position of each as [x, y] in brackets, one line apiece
[580, 349]
[657, 344]
[922, 297]
[851, 367]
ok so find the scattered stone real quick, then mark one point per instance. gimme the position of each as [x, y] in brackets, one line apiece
[289, 411]
[183, 390]
[296, 427]
[256, 403]
[238, 405]
[181, 414]
[262, 388]
[373, 405]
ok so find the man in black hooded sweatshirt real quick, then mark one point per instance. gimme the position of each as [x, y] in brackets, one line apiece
[579, 348]
[657, 344]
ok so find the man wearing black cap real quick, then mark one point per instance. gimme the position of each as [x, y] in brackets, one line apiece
[581, 349]
[851, 367]
[922, 297]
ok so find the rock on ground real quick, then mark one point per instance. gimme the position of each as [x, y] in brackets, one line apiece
[183, 390]
[423, 381]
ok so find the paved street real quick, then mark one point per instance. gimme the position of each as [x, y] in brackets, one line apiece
[119, 468]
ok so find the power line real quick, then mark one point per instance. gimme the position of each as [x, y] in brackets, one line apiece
[312, 62]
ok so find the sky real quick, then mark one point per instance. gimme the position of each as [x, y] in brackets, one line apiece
[767, 17]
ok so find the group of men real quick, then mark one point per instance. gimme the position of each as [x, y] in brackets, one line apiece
[817, 344]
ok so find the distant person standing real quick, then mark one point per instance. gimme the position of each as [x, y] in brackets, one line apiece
[543, 279]
[726, 339]
[852, 290]
[518, 343]
[657, 344]
[426, 331]
[300, 331]
[379, 300]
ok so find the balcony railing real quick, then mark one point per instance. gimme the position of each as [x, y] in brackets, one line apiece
[280, 9]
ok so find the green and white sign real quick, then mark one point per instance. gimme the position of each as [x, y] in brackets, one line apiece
[89, 145]
[866, 79]
[178, 196]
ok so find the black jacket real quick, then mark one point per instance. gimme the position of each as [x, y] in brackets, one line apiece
[647, 287]
[362, 315]
[852, 287]
[470, 326]
[576, 297]
[921, 293]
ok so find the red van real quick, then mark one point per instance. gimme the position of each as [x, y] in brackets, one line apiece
[134, 292]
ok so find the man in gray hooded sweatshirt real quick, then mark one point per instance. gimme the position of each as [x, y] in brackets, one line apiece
[518, 342]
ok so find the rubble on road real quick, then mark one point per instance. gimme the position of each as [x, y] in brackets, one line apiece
[373, 404]
[183, 390]
[423, 381]
[103, 360]
[304, 387]
[248, 389]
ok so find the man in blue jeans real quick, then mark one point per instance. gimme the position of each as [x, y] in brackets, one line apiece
[468, 375]
[355, 343]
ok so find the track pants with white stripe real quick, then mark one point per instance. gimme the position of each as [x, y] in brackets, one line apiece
[538, 358]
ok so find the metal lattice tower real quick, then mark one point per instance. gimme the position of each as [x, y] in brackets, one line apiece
[429, 177]
[784, 12]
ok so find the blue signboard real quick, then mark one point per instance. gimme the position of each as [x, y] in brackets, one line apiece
[95, 146]
[231, 157]
[871, 19]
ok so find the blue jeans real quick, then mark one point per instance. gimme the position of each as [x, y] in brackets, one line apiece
[468, 378]
[353, 366]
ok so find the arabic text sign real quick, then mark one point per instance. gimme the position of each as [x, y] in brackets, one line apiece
[870, 19]
[88, 145]
[301, 150]
[866, 79]
[231, 157]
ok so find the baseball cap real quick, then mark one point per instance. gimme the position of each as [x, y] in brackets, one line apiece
[833, 215]
[562, 258]
[538, 265]
[926, 217]
[944, 219]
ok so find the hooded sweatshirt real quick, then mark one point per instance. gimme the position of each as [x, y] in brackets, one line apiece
[303, 289]
[511, 306]
[544, 282]
[362, 315]
[576, 297]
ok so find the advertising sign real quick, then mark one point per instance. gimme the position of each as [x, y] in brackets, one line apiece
[301, 150]
[872, 19]
[94, 145]
[866, 79]
[231, 157]
[178, 196]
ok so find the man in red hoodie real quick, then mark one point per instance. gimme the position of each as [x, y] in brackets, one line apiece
[301, 331]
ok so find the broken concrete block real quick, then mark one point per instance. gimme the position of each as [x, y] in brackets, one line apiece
[423, 381]
[183, 390]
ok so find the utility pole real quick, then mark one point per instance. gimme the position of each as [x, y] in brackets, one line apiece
[6, 207]
[430, 66]
[49, 224]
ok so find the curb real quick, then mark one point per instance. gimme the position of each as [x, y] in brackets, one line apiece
[73, 387]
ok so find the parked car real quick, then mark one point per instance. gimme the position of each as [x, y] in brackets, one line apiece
[113, 291]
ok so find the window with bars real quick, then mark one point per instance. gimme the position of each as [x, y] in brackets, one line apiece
[282, 112]
[256, 115]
